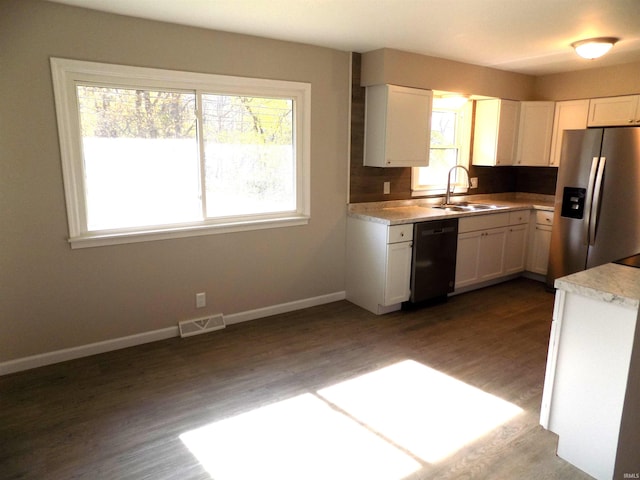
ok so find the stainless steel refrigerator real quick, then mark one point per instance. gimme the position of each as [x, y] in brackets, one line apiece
[597, 202]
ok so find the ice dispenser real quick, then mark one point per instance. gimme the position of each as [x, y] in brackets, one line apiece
[573, 202]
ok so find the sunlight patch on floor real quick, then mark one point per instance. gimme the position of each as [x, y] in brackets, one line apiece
[428, 413]
[302, 437]
[376, 426]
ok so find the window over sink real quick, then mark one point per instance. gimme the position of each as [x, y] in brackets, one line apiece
[451, 122]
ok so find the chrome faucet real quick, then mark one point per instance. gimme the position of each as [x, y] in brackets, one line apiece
[447, 198]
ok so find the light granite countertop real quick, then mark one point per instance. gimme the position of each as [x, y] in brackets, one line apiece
[421, 210]
[611, 283]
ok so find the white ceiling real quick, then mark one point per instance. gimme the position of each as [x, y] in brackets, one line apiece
[527, 36]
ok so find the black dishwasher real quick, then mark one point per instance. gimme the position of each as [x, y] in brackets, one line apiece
[433, 269]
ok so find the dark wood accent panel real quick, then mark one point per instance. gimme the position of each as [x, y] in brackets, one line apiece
[366, 183]
[493, 179]
[119, 415]
[536, 180]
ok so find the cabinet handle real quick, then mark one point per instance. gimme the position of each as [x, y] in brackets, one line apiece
[402, 234]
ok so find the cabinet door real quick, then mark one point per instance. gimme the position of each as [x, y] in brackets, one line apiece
[491, 255]
[397, 126]
[540, 249]
[398, 273]
[612, 111]
[507, 132]
[467, 258]
[495, 131]
[534, 133]
[569, 115]
[515, 249]
[408, 127]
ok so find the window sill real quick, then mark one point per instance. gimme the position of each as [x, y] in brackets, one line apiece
[101, 240]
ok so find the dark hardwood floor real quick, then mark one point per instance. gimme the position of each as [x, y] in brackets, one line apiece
[120, 415]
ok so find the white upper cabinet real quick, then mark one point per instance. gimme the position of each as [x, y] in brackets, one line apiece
[613, 111]
[397, 126]
[534, 133]
[569, 115]
[496, 125]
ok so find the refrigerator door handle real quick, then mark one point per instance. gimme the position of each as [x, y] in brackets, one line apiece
[587, 203]
[593, 220]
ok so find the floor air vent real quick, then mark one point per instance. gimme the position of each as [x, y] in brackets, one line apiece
[197, 326]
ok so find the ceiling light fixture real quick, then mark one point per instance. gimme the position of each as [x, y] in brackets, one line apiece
[594, 47]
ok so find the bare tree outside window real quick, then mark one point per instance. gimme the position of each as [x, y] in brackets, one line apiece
[142, 162]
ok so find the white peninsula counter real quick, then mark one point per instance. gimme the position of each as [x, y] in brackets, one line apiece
[591, 395]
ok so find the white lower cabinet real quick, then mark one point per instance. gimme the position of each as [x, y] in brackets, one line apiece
[540, 240]
[491, 254]
[515, 249]
[480, 256]
[378, 264]
[490, 247]
[467, 258]
[397, 273]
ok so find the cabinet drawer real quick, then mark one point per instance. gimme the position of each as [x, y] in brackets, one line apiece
[400, 233]
[519, 217]
[483, 222]
[544, 218]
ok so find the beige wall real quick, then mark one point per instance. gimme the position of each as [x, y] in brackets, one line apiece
[591, 83]
[419, 71]
[52, 297]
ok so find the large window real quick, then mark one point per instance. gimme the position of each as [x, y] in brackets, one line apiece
[450, 139]
[151, 153]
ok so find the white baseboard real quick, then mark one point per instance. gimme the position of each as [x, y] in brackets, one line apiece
[283, 308]
[40, 360]
[72, 353]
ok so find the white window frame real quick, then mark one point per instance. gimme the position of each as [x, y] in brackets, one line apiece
[463, 136]
[66, 73]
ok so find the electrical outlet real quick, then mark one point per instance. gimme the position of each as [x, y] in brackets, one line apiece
[201, 300]
[474, 182]
[387, 188]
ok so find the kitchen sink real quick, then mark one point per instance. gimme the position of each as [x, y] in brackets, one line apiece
[468, 207]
